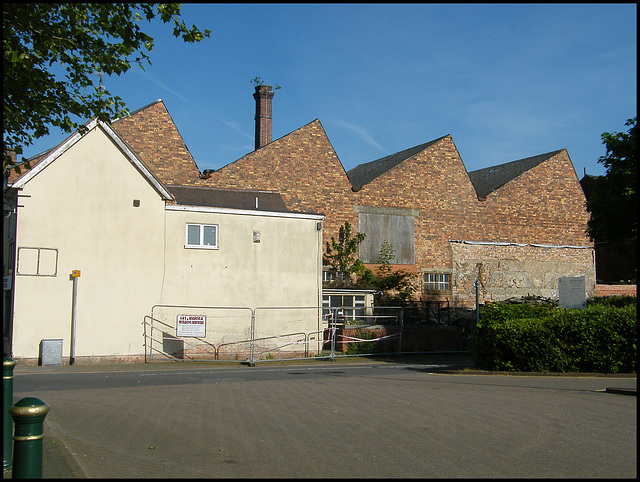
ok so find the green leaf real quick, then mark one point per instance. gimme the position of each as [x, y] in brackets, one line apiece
[52, 51]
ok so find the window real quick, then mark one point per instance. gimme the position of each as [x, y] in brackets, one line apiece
[351, 305]
[437, 281]
[328, 276]
[202, 236]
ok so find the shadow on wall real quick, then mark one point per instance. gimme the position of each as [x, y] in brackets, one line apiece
[172, 346]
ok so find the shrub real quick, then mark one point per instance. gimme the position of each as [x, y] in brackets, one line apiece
[363, 347]
[617, 300]
[601, 338]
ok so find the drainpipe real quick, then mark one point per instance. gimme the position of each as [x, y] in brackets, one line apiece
[75, 274]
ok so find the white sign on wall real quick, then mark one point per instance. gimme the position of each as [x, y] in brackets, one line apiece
[571, 292]
[191, 325]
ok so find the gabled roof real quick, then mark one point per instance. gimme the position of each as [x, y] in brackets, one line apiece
[365, 173]
[228, 198]
[487, 180]
[46, 158]
[152, 134]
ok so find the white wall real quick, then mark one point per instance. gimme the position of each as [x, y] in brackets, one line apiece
[284, 269]
[273, 272]
[82, 205]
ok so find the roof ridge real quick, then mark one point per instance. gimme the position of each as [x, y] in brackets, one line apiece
[274, 141]
[134, 112]
[546, 156]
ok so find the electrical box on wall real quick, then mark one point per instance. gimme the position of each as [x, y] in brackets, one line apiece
[51, 352]
[256, 236]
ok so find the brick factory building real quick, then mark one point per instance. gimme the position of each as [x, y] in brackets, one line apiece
[515, 227]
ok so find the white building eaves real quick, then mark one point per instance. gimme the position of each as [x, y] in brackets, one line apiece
[245, 212]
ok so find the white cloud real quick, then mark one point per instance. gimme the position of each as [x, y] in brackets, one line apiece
[360, 132]
[152, 79]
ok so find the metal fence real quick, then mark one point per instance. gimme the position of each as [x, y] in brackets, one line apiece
[247, 335]
[401, 330]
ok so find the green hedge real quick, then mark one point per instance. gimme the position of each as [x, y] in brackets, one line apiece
[543, 338]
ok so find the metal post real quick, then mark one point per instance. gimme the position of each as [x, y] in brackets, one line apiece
[28, 415]
[252, 361]
[334, 316]
[151, 338]
[475, 283]
[72, 358]
[8, 365]
[401, 328]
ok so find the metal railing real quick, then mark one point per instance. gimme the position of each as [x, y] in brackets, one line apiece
[263, 334]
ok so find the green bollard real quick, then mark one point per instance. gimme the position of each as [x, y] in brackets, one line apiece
[28, 415]
[8, 365]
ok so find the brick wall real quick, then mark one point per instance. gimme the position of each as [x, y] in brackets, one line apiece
[512, 271]
[544, 205]
[306, 171]
[616, 290]
[153, 136]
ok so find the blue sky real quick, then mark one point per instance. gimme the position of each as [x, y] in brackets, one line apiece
[505, 81]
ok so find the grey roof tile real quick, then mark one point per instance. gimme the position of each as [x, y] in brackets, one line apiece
[488, 179]
[228, 198]
[365, 173]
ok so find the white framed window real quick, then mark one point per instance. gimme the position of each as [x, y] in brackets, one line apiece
[437, 281]
[328, 276]
[203, 236]
[351, 305]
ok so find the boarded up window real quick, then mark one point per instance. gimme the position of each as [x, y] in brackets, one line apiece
[37, 261]
[395, 226]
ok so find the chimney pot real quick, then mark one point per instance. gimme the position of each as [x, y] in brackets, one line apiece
[263, 96]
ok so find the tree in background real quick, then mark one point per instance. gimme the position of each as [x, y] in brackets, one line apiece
[393, 286]
[342, 255]
[55, 55]
[611, 199]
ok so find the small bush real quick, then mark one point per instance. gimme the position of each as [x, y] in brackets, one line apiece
[616, 301]
[362, 347]
[601, 338]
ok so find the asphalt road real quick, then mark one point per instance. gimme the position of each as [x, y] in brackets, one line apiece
[340, 419]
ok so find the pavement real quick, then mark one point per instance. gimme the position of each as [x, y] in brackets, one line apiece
[69, 455]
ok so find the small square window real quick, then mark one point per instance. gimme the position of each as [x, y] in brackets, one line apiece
[437, 281]
[202, 236]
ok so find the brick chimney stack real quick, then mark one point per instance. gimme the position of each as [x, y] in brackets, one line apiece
[263, 96]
